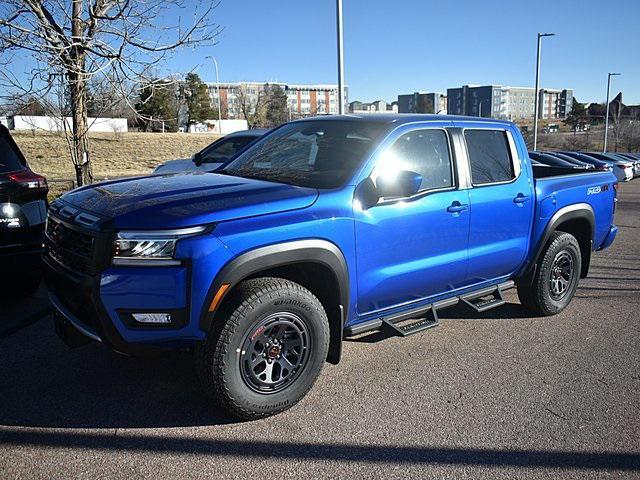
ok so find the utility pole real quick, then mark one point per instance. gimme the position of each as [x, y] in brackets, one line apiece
[536, 100]
[340, 59]
[606, 117]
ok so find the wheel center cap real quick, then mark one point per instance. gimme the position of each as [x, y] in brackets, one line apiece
[274, 351]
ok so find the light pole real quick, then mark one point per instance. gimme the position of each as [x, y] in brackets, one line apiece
[340, 58]
[536, 100]
[218, 95]
[606, 118]
[480, 106]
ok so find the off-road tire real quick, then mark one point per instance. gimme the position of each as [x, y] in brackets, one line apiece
[219, 361]
[535, 293]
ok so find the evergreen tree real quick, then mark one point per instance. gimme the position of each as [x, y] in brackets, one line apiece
[578, 117]
[198, 100]
[157, 104]
[597, 111]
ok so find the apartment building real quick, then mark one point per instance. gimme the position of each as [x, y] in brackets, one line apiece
[302, 100]
[511, 103]
[378, 106]
[423, 102]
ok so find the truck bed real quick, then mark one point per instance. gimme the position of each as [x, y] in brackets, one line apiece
[568, 187]
[544, 171]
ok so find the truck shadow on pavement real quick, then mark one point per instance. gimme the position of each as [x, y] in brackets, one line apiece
[45, 384]
[347, 453]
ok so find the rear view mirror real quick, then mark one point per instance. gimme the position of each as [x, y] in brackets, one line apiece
[401, 184]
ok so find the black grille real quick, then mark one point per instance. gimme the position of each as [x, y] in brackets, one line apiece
[70, 247]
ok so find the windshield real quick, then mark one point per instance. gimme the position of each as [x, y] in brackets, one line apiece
[223, 150]
[317, 153]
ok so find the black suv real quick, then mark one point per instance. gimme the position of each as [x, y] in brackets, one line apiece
[23, 212]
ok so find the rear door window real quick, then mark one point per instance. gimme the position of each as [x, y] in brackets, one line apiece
[489, 156]
[9, 159]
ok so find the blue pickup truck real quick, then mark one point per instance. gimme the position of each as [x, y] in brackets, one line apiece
[325, 228]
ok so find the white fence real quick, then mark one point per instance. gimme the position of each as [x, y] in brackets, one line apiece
[54, 124]
[211, 126]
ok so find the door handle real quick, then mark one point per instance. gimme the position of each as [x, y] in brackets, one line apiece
[456, 207]
[521, 198]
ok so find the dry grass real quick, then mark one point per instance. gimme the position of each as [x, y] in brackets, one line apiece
[112, 155]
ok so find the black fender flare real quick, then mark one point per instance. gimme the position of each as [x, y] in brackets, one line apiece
[278, 255]
[576, 211]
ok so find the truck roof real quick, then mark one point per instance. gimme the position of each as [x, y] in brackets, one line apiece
[402, 118]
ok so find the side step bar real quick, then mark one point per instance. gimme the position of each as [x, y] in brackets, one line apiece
[419, 319]
[486, 299]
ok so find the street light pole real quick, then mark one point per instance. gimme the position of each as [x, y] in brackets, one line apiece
[536, 99]
[340, 59]
[606, 118]
[218, 95]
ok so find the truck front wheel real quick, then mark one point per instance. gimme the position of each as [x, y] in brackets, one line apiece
[556, 277]
[265, 350]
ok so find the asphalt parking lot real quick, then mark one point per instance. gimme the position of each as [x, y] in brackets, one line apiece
[493, 395]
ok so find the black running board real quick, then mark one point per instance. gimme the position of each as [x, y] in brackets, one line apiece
[426, 317]
[487, 298]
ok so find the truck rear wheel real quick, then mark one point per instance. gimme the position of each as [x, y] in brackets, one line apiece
[556, 277]
[267, 351]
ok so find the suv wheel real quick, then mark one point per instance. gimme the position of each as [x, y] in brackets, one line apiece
[556, 278]
[267, 350]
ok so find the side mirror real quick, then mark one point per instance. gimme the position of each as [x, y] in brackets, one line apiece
[197, 159]
[403, 184]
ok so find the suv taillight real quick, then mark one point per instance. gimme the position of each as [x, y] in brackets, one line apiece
[615, 196]
[29, 180]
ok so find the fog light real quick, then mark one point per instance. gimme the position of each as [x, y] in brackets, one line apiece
[152, 317]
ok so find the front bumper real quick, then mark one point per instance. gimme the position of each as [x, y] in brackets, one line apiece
[101, 305]
[77, 299]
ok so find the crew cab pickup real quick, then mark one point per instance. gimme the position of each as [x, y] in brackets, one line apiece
[325, 228]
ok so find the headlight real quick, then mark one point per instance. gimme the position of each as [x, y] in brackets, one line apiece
[150, 247]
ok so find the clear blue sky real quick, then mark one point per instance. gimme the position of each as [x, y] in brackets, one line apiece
[400, 46]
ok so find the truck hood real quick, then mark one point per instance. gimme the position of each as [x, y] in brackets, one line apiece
[184, 200]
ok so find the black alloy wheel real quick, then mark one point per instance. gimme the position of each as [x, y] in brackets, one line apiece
[275, 352]
[561, 275]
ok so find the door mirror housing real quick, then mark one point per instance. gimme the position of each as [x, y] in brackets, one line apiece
[403, 184]
[197, 159]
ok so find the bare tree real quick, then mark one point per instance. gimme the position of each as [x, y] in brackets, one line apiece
[629, 134]
[252, 104]
[75, 42]
[578, 142]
